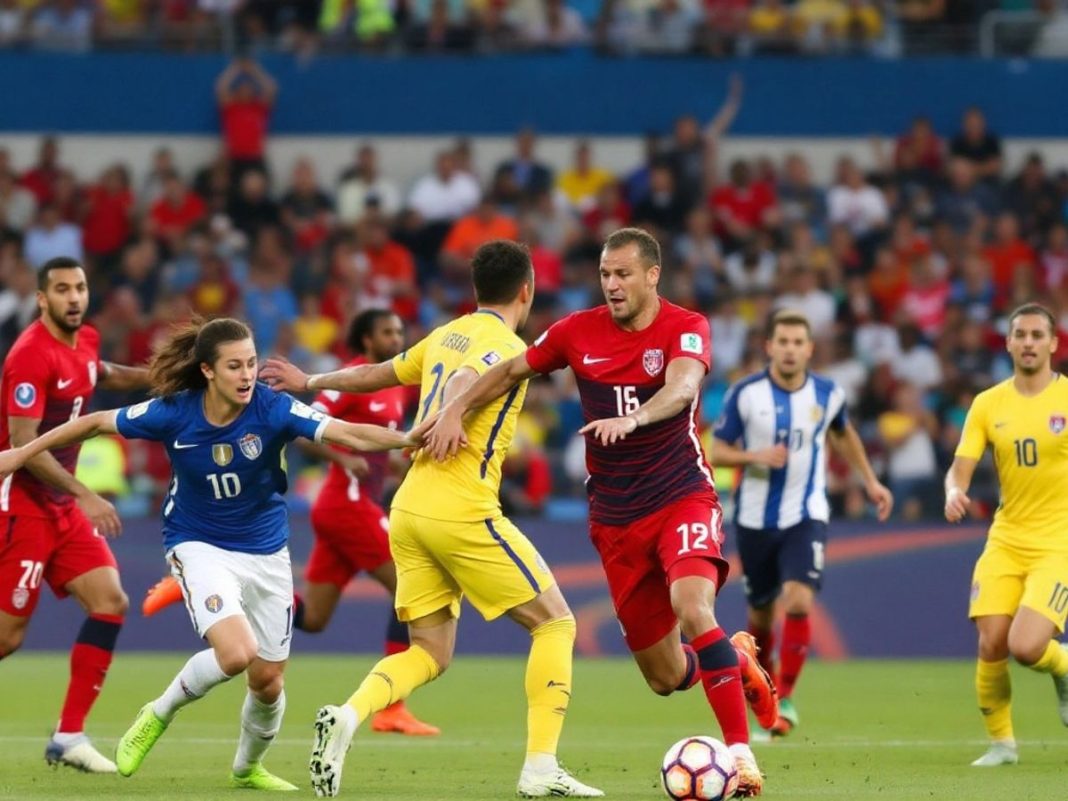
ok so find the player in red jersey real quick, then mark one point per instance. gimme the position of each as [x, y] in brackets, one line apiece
[351, 529]
[655, 518]
[52, 526]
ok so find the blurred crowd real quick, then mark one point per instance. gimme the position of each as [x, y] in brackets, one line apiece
[906, 265]
[712, 27]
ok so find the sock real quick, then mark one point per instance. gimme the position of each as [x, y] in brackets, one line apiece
[259, 725]
[393, 679]
[298, 612]
[1054, 661]
[994, 691]
[722, 681]
[796, 635]
[765, 640]
[396, 635]
[89, 661]
[693, 673]
[200, 674]
[548, 684]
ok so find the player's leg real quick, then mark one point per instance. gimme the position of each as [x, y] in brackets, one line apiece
[1034, 638]
[758, 551]
[331, 565]
[25, 548]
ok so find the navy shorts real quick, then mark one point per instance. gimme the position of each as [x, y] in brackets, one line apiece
[772, 556]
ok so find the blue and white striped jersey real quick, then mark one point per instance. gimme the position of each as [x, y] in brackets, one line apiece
[760, 414]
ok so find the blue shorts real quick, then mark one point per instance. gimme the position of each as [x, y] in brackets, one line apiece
[772, 556]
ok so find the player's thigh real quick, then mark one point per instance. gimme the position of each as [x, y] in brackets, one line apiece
[1046, 589]
[758, 550]
[267, 598]
[424, 585]
[81, 549]
[997, 582]
[210, 582]
[26, 545]
[801, 555]
[494, 564]
[689, 532]
[354, 541]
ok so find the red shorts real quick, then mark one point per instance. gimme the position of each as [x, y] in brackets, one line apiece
[680, 539]
[347, 540]
[57, 550]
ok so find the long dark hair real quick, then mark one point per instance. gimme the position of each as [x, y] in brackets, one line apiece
[176, 363]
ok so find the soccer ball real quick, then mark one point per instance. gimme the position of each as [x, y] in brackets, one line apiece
[699, 769]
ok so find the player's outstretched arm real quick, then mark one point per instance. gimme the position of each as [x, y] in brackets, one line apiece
[848, 443]
[122, 378]
[369, 438]
[727, 455]
[958, 480]
[446, 436]
[282, 375]
[356, 465]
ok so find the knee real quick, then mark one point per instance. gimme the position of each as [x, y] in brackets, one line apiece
[797, 599]
[235, 658]
[266, 685]
[660, 685]
[11, 641]
[113, 602]
[993, 649]
[1027, 651]
[313, 621]
[441, 653]
[695, 617]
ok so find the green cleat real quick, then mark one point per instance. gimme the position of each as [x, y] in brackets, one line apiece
[138, 740]
[259, 778]
[788, 719]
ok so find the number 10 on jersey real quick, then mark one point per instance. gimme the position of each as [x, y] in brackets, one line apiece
[224, 485]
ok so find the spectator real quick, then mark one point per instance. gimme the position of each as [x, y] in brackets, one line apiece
[175, 213]
[771, 28]
[214, 294]
[108, 219]
[669, 26]
[908, 431]
[699, 253]
[978, 146]
[391, 269]
[245, 94]
[804, 294]
[18, 303]
[965, 203]
[636, 184]
[1054, 259]
[918, 154]
[557, 26]
[50, 237]
[314, 332]
[253, 210]
[140, 271]
[664, 207]
[18, 205]
[1007, 253]
[583, 181]
[269, 305]
[445, 194]
[469, 233]
[63, 25]
[973, 289]
[753, 268]
[531, 176]
[856, 204]
[12, 23]
[799, 199]
[742, 206]
[1033, 198]
[610, 211]
[729, 335]
[307, 211]
[41, 178]
[917, 361]
[924, 302]
[361, 186]
[158, 171]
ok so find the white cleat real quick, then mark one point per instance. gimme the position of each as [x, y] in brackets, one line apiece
[558, 783]
[79, 755]
[1001, 752]
[334, 729]
[1060, 683]
[750, 778]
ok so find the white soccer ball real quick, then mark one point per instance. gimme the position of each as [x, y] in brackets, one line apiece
[699, 769]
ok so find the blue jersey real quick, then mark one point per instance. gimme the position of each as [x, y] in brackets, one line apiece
[228, 481]
[761, 414]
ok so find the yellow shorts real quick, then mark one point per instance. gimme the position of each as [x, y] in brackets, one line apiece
[438, 562]
[1006, 579]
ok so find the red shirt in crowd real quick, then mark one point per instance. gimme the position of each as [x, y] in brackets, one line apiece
[244, 126]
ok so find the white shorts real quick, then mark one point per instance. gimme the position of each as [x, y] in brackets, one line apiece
[218, 583]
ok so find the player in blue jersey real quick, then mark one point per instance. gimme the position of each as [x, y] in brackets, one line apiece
[225, 524]
[782, 417]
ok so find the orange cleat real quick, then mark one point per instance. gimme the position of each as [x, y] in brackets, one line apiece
[757, 685]
[163, 593]
[398, 718]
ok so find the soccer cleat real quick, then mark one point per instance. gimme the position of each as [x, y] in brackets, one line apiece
[750, 779]
[558, 783]
[80, 755]
[138, 740]
[334, 730]
[1001, 752]
[163, 593]
[398, 718]
[259, 778]
[1061, 685]
[757, 685]
[788, 718]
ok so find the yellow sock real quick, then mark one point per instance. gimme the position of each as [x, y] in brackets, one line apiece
[994, 690]
[548, 683]
[1054, 660]
[393, 679]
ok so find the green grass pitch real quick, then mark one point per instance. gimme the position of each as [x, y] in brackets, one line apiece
[886, 731]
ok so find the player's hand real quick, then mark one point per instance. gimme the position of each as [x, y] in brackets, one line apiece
[10, 461]
[281, 374]
[447, 435]
[417, 437]
[957, 503]
[101, 514]
[774, 457]
[355, 465]
[610, 429]
[882, 498]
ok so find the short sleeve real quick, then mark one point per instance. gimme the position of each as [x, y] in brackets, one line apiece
[26, 379]
[729, 427]
[297, 419]
[693, 339]
[153, 419]
[490, 353]
[973, 438]
[549, 351]
[329, 401]
[839, 413]
[408, 364]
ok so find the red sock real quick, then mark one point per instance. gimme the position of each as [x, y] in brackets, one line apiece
[765, 640]
[722, 681]
[397, 640]
[89, 661]
[796, 634]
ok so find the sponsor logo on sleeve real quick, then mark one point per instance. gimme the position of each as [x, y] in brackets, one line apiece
[138, 409]
[691, 343]
[25, 395]
[491, 358]
[213, 603]
[304, 410]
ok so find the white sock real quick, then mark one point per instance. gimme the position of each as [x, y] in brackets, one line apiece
[259, 725]
[742, 751]
[66, 738]
[541, 763]
[200, 674]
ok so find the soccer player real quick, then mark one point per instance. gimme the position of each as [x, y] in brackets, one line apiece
[449, 537]
[1020, 584]
[224, 522]
[654, 516]
[351, 530]
[52, 523]
[782, 416]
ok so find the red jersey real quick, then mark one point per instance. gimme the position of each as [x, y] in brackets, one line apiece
[244, 127]
[617, 371]
[45, 379]
[382, 408]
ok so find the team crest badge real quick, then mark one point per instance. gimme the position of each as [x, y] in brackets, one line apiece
[817, 414]
[92, 373]
[19, 597]
[1057, 423]
[213, 603]
[250, 445]
[222, 453]
[653, 361]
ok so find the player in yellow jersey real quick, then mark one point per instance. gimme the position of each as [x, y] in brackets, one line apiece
[449, 537]
[1020, 585]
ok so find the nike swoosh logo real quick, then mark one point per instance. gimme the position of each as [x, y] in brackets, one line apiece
[179, 447]
[587, 360]
[64, 384]
[377, 407]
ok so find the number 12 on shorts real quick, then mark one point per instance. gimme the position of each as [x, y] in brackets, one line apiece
[694, 536]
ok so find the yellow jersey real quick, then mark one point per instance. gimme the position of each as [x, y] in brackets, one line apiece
[464, 488]
[1029, 438]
